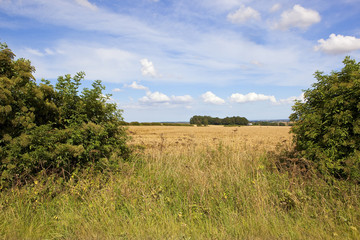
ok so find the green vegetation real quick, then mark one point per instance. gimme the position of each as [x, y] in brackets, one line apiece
[53, 129]
[66, 171]
[327, 128]
[269, 123]
[207, 120]
[156, 124]
[210, 193]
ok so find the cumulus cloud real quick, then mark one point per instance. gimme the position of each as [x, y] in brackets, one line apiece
[209, 97]
[251, 97]
[87, 4]
[155, 97]
[243, 14]
[298, 17]
[147, 68]
[337, 44]
[161, 98]
[137, 86]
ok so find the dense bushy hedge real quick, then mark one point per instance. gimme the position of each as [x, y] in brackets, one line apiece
[53, 128]
[327, 127]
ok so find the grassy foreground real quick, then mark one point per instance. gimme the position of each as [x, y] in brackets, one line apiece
[188, 183]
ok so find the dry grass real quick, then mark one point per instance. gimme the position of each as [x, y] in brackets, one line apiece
[187, 183]
[249, 138]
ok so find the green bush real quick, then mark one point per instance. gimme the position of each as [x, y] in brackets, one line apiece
[327, 127]
[54, 129]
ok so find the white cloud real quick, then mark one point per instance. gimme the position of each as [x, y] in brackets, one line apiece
[34, 52]
[75, 14]
[87, 4]
[117, 90]
[276, 7]
[209, 97]
[255, 97]
[243, 14]
[291, 100]
[185, 51]
[137, 86]
[155, 97]
[251, 97]
[42, 53]
[147, 68]
[298, 17]
[337, 44]
[160, 98]
[48, 51]
[98, 62]
[182, 99]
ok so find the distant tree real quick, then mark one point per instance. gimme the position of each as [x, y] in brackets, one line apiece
[327, 123]
[207, 120]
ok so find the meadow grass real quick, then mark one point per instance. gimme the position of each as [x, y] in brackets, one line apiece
[188, 183]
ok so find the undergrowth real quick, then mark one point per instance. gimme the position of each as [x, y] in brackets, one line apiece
[212, 193]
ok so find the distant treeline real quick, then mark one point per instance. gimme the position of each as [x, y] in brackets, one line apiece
[207, 120]
[154, 124]
[268, 123]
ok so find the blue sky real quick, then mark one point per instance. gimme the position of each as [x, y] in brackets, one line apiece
[167, 60]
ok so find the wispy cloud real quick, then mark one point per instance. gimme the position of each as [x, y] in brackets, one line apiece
[110, 64]
[276, 7]
[291, 100]
[182, 54]
[182, 99]
[117, 90]
[87, 4]
[34, 52]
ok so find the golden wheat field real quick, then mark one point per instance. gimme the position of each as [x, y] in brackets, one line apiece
[178, 138]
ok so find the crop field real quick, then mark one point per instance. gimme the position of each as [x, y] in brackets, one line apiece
[188, 183]
[248, 138]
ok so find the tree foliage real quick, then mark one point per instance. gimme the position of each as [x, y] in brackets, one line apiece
[55, 129]
[327, 128]
[207, 120]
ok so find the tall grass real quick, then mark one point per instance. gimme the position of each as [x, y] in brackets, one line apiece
[226, 190]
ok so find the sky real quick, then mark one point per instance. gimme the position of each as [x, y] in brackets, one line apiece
[168, 60]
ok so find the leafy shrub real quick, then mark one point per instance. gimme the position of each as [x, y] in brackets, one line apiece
[53, 129]
[327, 127]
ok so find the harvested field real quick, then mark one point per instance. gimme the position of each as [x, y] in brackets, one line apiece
[259, 138]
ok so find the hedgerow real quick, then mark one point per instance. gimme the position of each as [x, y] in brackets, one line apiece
[54, 129]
